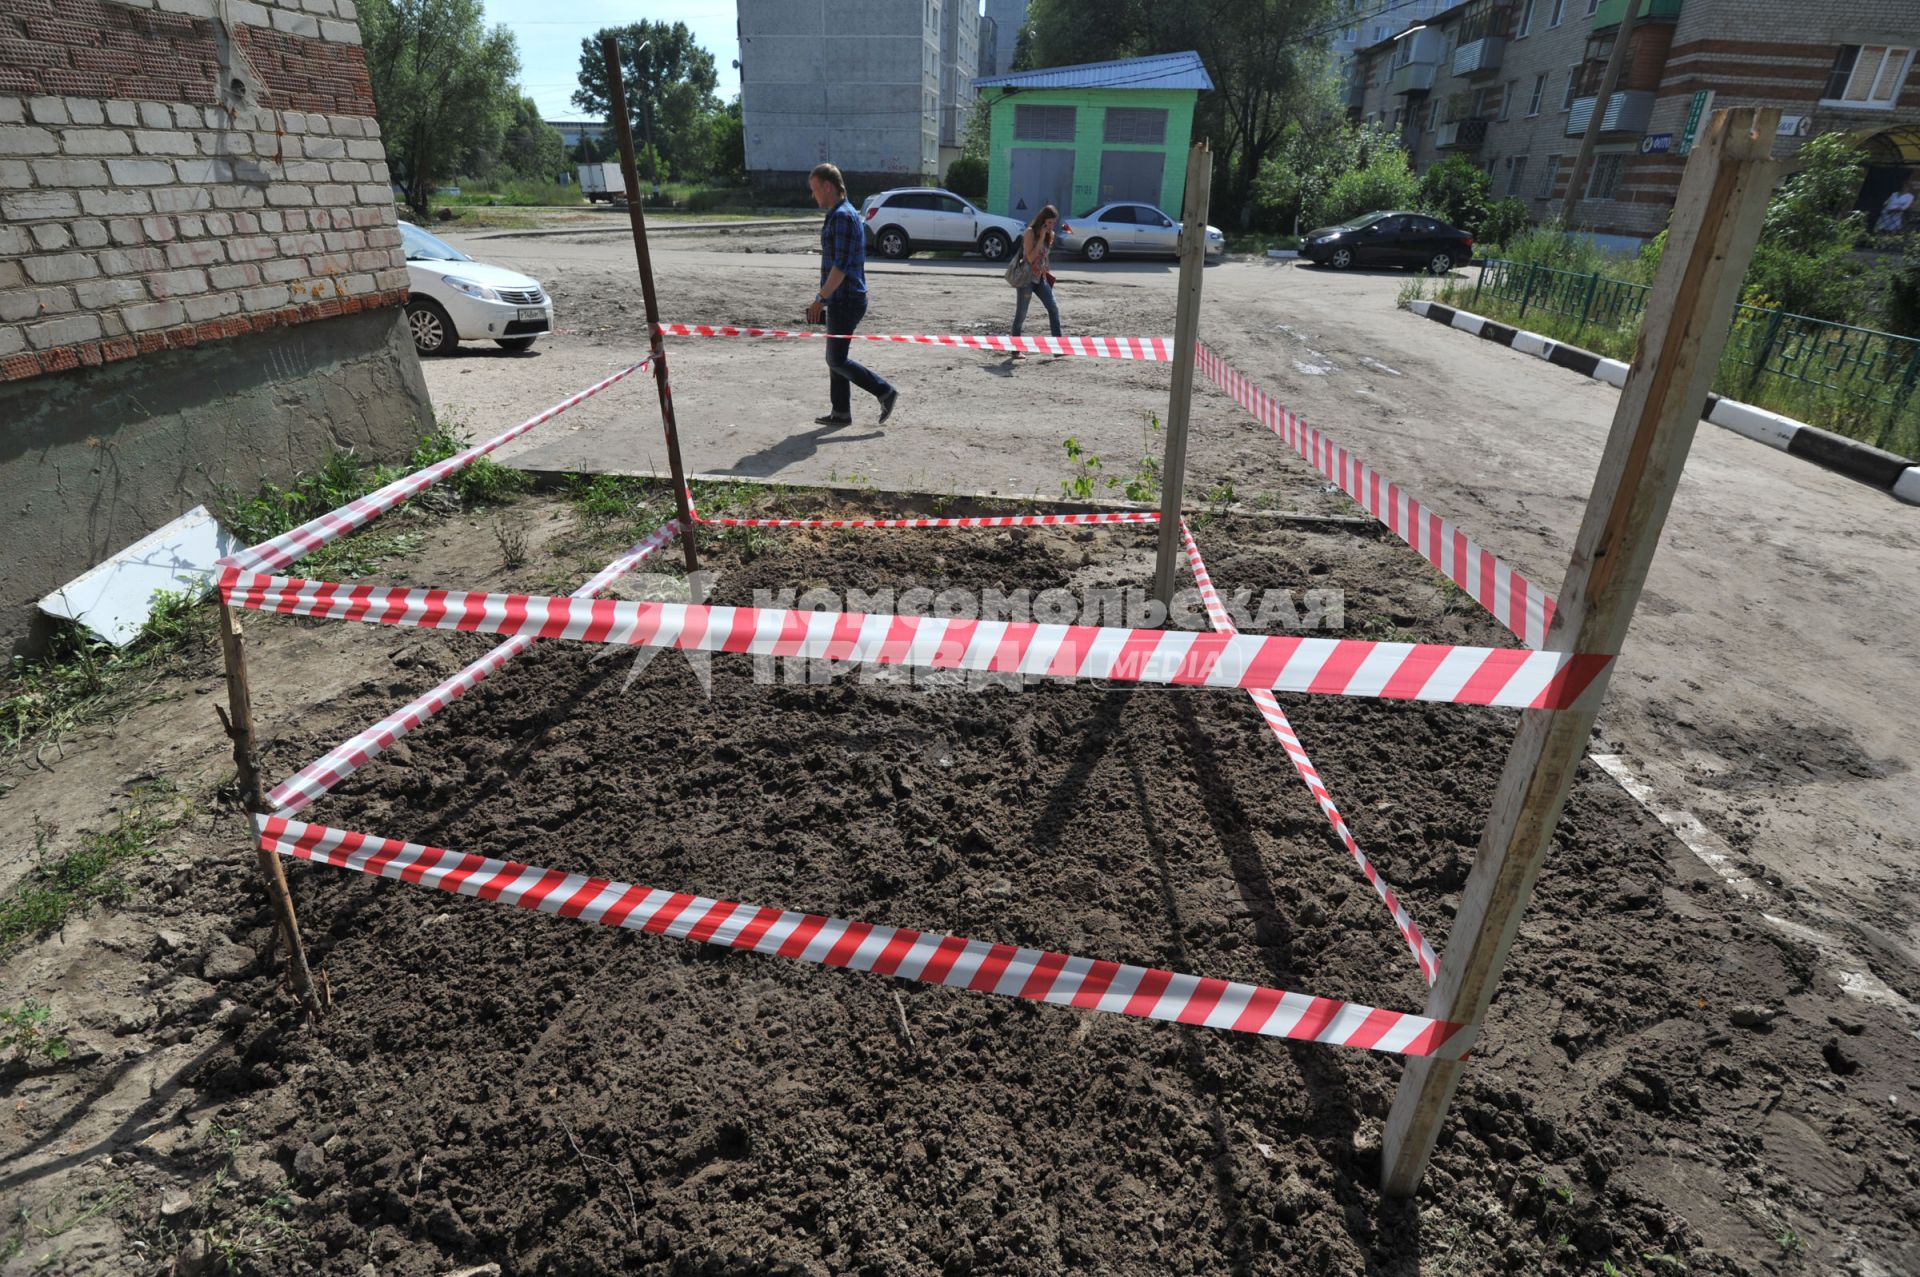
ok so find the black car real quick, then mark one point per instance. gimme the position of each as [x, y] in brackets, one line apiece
[1390, 239]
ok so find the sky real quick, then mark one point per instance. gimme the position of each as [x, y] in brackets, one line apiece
[550, 31]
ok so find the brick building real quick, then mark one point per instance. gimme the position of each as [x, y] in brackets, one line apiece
[200, 274]
[1512, 83]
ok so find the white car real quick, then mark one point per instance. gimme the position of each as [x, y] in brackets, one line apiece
[1127, 230]
[902, 221]
[457, 299]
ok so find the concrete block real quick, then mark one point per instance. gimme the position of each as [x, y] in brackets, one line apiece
[340, 32]
[178, 283]
[183, 199]
[161, 314]
[282, 269]
[66, 173]
[365, 149]
[351, 171]
[188, 8]
[97, 293]
[185, 116]
[86, 111]
[140, 172]
[51, 237]
[245, 275]
[199, 252]
[126, 230]
[231, 197]
[48, 110]
[255, 249]
[12, 110]
[15, 175]
[27, 140]
[326, 148]
[155, 115]
[124, 113]
[89, 233]
[202, 172]
[159, 229]
[96, 142]
[295, 24]
[245, 11]
[190, 226]
[378, 193]
[220, 224]
[347, 10]
[333, 194]
[268, 297]
[64, 331]
[300, 245]
[29, 206]
[163, 142]
[110, 203]
[318, 8]
[11, 341]
[14, 241]
[307, 171]
[131, 261]
[211, 306]
[289, 194]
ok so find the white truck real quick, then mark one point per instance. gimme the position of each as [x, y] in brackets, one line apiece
[602, 183]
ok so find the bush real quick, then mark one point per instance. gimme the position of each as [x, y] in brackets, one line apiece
[968, 176]
[1814, 208]
[1903, 294]
[1385, 182]
[1456, 190]
[1505, 221]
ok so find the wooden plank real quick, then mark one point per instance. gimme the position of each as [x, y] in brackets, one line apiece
[1716, 222]
[1186, 329]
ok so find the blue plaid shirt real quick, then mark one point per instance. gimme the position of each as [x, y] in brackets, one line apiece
[844, 244]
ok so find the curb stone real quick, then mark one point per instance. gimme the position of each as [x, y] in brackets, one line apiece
[1876, 467]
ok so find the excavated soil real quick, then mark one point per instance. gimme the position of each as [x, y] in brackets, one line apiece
[1663, 1086]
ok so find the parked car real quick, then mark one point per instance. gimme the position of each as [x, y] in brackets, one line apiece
[1390, 239]
[902, 221]
[457, 299]
[1128, 229]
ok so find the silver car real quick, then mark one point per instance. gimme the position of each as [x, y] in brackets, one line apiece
[1128, 229]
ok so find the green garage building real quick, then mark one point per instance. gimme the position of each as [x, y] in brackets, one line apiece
[1081, 136]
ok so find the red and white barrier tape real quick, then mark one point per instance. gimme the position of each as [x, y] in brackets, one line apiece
[1148, 349]
[313, 781]
[290, 547]
[1514, 601]
[981, 521]
[1338, 667]
[1296, 754]
[1033, 974]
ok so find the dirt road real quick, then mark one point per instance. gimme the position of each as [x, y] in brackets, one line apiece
[1762, 688]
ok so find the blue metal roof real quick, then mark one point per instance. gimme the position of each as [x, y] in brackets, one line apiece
[1161, 71]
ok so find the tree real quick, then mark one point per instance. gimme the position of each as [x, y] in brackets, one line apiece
[1456, 190]
[1384, 181]
[1312, 155]
[669, 87]
[532, 147]
[1804, 262]
[727, 156]
[443, 85]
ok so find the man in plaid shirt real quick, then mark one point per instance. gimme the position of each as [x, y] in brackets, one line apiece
[842, 298]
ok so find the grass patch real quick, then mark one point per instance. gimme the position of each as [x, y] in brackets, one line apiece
[23, 1031]
[94, 872]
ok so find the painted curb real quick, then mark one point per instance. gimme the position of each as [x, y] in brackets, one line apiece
[1891, 473]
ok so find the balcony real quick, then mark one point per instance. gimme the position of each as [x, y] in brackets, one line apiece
[1414, 77]
[1460, 135]
[1612, 12]
[1481, 57]
[1627, 112]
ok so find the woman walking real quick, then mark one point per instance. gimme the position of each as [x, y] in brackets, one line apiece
[1036, 252]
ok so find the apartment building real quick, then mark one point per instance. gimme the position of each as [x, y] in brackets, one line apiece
[1368, 22]
[870, 85]
[1007, 17]
[1514, 83]
[959, 64]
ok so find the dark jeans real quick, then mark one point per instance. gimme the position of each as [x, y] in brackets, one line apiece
[843, 316]
[1044, 291]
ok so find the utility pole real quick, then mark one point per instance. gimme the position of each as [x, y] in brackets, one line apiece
[1186, 328]
[1609, 81]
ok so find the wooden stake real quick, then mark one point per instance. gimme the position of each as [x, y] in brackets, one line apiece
[1186, 326]
[630, 171]
[238, 721]
[1716, 222]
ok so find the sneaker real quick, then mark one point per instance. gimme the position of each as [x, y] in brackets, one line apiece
[887, 401]
[1018, 354]
[834, 419]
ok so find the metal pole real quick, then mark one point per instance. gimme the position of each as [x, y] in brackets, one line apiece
[623, 131]
[1186, 325]
[238, 721]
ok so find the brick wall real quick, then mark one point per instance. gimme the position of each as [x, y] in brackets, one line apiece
[167, 180]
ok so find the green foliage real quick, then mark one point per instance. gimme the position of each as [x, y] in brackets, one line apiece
[601, 498]
[727, 145]
[531, 148]
[92, 873]
[1082, 481]
[443, 85]
[1505, 220]
[1385, 182]
[23, 1030]
[1814, 208]
[1548, 244]
[1294, 181]
[1824, 283]
[669, 89]
[485, 482]
[1903, 292]
[1456, 190]
[511, 192]
[968, 176]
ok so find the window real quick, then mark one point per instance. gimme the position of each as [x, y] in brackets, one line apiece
[1516, 174]
[1592, 5]
[1539, 92]
[1573, 85]
[1547, 175]
[1526, 20]
[1423, 226]
[1605, 178]
[1433, 114]
[1559, 13]
[1043, 123]
[1868, 74]
[1482, 103]
[1506, 99]
[948, 204]
[1120, 215]
[1142, 126]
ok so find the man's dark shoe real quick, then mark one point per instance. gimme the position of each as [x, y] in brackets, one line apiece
[887, 401]
[835, 419]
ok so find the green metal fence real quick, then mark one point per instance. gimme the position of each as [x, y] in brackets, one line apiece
[1867, 378]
